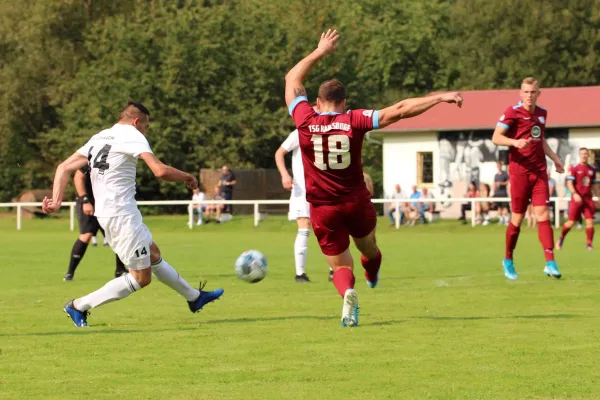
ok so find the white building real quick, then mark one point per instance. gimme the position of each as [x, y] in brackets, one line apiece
[447, 147]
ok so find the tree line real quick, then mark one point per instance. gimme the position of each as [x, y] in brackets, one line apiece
[212, 71]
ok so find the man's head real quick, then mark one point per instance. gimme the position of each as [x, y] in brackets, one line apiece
[424, 190]
[196, 191]
[414, 188]
[332, 96]
[225, 169]
[530, 91]
[584, 155]
[397, 188]
[499, 166]
[137, 115]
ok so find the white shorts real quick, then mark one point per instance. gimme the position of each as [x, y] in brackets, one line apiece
[129, 238]
[299, 208]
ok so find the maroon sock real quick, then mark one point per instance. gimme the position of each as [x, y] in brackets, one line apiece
[343, 279]
[590, 235]
[371, 266]
[512, 235]
[563, 233]
[546, 237]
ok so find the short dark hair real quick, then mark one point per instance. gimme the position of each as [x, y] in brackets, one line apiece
[584, 148]
[133, 109]
[332, 91]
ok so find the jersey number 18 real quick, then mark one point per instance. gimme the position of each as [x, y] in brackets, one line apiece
[338, 156]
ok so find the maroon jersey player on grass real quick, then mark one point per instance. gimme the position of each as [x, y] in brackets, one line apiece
[581, 182]
[331, 146]
[522, 128]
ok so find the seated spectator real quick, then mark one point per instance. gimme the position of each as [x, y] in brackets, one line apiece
[198, 197]
[501, 190]
[215, 209]
[482, 209]
[414, 206]
[471, 193]
[425, 207]
[398, 194]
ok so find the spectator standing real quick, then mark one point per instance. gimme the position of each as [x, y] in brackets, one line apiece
[398, 194]
[501, 180]
[226, 183]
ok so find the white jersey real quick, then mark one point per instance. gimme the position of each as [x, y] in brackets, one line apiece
[292, 144]
[112, 156]
[199, 198]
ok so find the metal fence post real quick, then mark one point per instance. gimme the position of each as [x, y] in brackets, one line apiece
[473, 213]
[72, 217]
[18, 217]
[256, 215]
[397, 215]
[191, 216]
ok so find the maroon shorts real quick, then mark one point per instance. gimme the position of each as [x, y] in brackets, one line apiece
[587, 207]
[526, 187]
[333, 224]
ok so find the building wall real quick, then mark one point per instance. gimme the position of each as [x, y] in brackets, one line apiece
[400, 157]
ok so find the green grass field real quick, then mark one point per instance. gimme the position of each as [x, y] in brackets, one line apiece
[444, 323]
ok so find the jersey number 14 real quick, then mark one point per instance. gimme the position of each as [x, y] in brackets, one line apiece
[100, 159]
[338, 156]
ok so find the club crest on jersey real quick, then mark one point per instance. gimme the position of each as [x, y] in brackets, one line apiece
[542, 120]
[536, 131]
[586, 181]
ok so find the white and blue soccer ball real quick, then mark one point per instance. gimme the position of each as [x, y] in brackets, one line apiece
[251, 266]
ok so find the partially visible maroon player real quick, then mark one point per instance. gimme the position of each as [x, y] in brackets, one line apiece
[522, 128]
[581, 181]
[331, 146]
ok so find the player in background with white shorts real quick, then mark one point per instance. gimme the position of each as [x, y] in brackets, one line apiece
[299, 207]
[112, 156]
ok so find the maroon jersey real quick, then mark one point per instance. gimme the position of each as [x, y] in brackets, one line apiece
[331, 147]
[522, 124]
[583, 176]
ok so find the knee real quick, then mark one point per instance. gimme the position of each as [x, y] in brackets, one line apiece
[143, 276]
[516, 219]
[85, 237]
[154, 253]
[589, 223]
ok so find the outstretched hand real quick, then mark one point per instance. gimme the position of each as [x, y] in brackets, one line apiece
[191, 183]
[328, 42]
[453, 97]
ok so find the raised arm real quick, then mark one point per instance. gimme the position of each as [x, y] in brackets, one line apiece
[286, 179]
[61, 178]
[409, 108]
[294, 79]
[558, 164]
[168, 173]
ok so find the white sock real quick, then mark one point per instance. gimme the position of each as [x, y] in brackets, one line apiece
[300, 250]
[94, 240]
[167, 275]
[117, 289]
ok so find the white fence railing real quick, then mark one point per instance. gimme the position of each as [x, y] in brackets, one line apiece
[558, 202]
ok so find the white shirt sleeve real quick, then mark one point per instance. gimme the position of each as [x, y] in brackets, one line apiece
[292, 142]
[138, 146]
[85, 149]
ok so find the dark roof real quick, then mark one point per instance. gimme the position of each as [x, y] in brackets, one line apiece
[568, 107]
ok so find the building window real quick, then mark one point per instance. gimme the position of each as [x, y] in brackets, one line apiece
[424, 167]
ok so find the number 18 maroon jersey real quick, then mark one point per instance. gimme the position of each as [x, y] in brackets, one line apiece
[331, 146]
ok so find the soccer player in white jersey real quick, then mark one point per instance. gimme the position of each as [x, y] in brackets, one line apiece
[299, 207]
[112, 156]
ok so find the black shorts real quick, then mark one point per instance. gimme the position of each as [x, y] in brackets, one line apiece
[500, 204]
[87, 223]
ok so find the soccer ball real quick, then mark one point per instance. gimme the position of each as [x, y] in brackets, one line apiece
[251, 266]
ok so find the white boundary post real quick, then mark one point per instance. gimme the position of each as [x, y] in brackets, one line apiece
[18, 217]
[256, 215]
[397, 215]
[556, 213]
[72, 217]
[190, 216]
[473, 213]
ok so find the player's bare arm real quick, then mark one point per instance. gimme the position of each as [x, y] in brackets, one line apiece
[499, 138]
[286, 179]
[168, 173]
[294, 79]
[409, 108]
[61, 178]
[79, 181]
[571, 187]
[558, 164]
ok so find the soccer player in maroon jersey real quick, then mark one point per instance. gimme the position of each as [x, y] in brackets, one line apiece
[522, 127]
[581, 181]
[331, 146]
